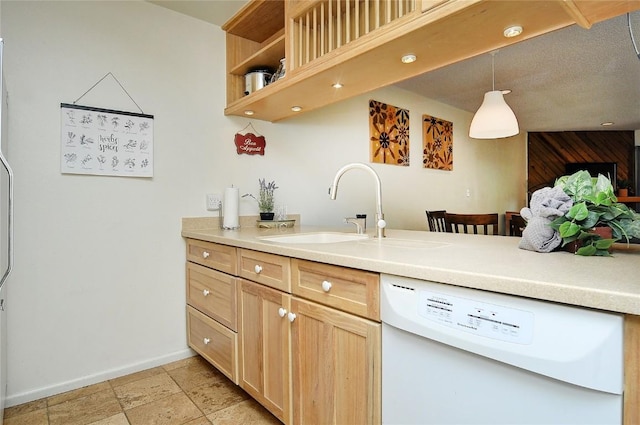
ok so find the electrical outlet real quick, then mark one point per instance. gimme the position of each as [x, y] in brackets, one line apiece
[214, 201]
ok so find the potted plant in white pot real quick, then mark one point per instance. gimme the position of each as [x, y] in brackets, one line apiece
[265, 199]
[594, 207]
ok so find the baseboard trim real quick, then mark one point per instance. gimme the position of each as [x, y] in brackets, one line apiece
[25, 397]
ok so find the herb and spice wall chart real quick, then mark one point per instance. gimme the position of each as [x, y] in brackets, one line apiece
[105, 142]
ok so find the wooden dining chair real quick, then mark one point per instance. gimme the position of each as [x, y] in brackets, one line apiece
[461, 223]
[514, 223]
[436, 220]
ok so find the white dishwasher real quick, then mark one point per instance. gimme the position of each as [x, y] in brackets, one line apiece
[453, 355]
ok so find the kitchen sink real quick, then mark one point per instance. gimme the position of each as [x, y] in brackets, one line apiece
[318, 237]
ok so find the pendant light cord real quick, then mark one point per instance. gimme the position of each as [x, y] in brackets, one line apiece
[493, 70]
[633, 40]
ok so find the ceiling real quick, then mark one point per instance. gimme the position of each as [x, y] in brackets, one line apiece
[570, 79]
[214, 11]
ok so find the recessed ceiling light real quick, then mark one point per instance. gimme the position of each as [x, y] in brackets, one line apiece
[337, 86]
[607, 124]
[296, 108]
[409, 58]
[249, 112]
[512, 31]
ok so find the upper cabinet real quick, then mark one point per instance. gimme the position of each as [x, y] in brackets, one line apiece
[255, 39]
[359, 44]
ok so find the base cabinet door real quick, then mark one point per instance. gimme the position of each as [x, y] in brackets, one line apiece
[264, 346]
[336, 366]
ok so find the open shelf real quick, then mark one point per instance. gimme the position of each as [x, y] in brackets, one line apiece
[268, 56]
[257, 20]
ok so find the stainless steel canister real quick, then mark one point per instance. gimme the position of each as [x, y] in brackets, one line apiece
[255, 80]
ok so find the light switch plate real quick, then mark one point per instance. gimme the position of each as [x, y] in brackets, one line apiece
[214, 201]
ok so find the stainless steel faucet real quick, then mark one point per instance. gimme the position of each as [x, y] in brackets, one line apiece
[333, 191]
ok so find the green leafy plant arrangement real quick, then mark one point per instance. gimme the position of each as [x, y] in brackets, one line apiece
[594, 205]
[266, 195]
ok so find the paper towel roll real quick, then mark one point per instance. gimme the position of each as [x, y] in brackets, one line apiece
[230, 208]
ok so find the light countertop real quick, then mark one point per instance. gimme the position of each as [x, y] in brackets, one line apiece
[492, 263]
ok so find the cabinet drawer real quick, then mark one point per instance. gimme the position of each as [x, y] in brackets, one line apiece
[213, 293]
[214, 342]
[216, 256]
[268, 269]
[350, 290]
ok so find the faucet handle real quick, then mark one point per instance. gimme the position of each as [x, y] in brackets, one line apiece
[382, 224]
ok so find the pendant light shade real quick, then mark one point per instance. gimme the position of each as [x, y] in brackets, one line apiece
[494, 119]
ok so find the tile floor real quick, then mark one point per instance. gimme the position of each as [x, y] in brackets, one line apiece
[186, 392]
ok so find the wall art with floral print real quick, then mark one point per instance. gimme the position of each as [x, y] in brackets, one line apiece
[389, 134]
[437, 141]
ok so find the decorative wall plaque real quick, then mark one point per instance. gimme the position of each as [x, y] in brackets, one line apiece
[251, 143]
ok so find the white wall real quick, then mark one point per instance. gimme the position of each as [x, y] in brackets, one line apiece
[308, 150]
[98, 289]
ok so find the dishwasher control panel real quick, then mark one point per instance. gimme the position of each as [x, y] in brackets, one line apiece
[477, 317]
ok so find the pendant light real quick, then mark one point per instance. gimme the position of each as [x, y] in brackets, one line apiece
[494, 119]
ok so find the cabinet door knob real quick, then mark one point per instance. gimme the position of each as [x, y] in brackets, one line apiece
[326, 285]
[291, 317]
[205, 254]
[205, 292]
[206, 341]
[258, 268]
[282, 312]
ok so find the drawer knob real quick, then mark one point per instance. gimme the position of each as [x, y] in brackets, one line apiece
[258, 268]
[282, 312]
[326, 285]
[291, 317]
[206, 341]
[205, 292]
[205, 254]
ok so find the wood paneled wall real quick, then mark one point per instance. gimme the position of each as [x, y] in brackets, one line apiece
[550, 151]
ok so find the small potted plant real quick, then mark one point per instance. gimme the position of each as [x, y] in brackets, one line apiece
[623, 187]
[595, 212]
[265, 199]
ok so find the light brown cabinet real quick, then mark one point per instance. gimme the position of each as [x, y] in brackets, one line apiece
[255, 39]
[336, 366]
[311, 357]
[212, 305]
[264, 346]
[335, 354]
[330, 41]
